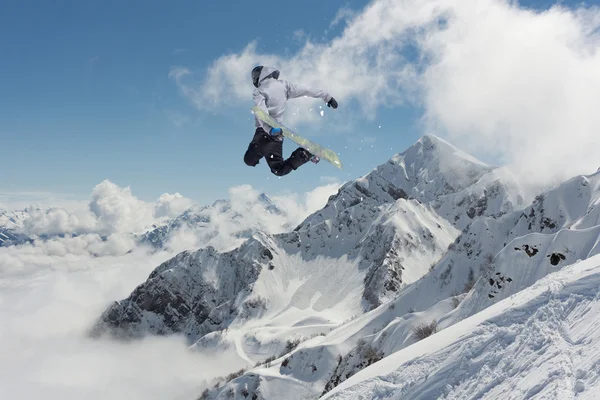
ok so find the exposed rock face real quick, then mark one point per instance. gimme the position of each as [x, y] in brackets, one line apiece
[10, 237]
[11, 228]
[428, 170]
[381, 221]
[193, 294]
[415, 231]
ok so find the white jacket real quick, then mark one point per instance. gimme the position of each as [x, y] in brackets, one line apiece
[272, 95]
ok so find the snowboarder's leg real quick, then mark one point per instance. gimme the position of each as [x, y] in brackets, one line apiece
[256, 148]
[281, 167]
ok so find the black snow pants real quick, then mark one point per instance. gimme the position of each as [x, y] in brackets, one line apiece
[264, 145]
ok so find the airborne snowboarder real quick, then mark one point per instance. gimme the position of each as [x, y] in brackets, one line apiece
[271, 95]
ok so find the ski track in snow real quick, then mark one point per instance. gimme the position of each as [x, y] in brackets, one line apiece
[540, 343]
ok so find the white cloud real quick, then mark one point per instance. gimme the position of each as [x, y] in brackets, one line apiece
[329, 179]
[48, 302]
[186, 238]
[249, 211]
[107, 223]
[299, 35]
[111, 209]
[294, 207]
[58, 220]
[519, 85]
[493, 77]
[300, 206]
[171, 205]
[342, 16]
[117, 210]
[89, 244]
[317, 198]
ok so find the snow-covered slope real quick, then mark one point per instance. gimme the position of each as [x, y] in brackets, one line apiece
[485, 251]
[192, 293]
[11, 227]
[503, 255]
[495, 194]
[543, 342]
[432, 171]
[428, 169]
[196, 293]
[309, 309]
[384, 238]
[14, 219]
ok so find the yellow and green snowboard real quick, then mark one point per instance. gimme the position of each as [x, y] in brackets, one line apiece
[322, 152]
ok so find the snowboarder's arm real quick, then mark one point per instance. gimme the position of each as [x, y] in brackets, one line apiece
[293, 91]
[259, 101]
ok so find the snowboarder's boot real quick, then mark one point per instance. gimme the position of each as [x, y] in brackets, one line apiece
[308, 156]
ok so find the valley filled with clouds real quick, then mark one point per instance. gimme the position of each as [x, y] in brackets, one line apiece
[85, 256]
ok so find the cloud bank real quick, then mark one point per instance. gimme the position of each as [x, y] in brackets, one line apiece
[53, 290]
[48, 302]
[249, 211]
[111, 210]
[171, 205]
[111, 222]
[493, 77]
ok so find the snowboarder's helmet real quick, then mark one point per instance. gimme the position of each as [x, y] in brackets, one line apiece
[257, 71]
[256, 74]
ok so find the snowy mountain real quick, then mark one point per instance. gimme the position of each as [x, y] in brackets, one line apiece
[12, 224]
[540, 343]
[204, 222]
[491, 260]
[226, 224]
[431, 242]
[9, 237]
[386, 240]
[207, 290]
[14, 219]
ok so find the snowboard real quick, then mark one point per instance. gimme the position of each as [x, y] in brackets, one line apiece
[322, 152]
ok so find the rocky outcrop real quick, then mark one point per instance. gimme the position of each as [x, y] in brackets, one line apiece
[11, 227]
[193, 294]
[10, 237]
[385, 223]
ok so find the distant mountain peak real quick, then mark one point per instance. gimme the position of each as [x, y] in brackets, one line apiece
[426, 171]
[263, 197]
[435, 144]
[201, 221]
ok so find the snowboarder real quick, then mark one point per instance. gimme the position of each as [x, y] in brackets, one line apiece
[271, 94]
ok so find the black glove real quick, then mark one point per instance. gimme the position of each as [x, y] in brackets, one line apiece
[332, 103]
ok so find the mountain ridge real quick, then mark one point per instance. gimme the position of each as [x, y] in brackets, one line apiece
[343, 290]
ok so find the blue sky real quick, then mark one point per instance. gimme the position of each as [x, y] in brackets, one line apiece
[86, 96]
